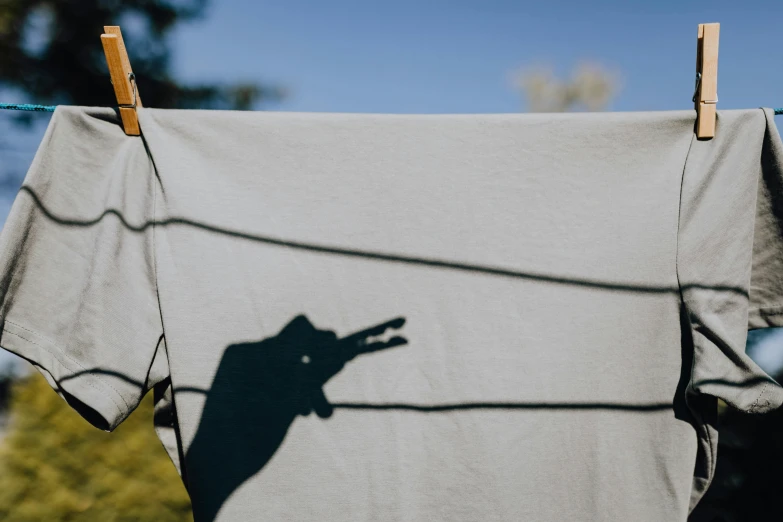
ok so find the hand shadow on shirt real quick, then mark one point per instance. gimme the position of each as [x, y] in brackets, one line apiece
[258, 390]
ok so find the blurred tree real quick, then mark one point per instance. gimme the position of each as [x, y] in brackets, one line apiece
[590, 87]
[54, 466]
[51, 50]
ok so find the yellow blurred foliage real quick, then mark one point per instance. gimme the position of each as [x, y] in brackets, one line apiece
[591, 87]
[54, 466]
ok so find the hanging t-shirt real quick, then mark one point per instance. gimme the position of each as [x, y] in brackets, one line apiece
[406, 318]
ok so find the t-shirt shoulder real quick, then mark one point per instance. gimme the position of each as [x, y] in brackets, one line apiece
[78, 294]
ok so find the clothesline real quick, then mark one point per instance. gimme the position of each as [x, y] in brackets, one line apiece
[50, 108]
[27, 107]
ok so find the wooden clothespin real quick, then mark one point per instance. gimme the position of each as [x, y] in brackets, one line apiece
[122, 78]
[706, 96]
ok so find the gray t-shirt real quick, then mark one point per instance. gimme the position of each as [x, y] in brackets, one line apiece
[406, 318]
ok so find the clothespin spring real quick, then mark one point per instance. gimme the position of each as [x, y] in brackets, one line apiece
[696, 91]
[132, 79]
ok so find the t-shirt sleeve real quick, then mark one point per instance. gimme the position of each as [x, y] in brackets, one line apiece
[78, 295]
[766, 283]
[729, 256]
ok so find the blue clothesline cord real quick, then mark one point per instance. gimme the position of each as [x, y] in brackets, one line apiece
[50, 108]
[28, 107]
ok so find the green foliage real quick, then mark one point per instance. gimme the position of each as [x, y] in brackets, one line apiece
[51, 50]
[54, 466]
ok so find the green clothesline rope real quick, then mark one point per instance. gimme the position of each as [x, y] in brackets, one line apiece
[27, 107]
[50, 108]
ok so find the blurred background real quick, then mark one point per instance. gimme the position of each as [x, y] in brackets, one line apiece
[407, 56]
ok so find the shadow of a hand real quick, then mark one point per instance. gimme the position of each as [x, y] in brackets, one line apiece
[258, 390]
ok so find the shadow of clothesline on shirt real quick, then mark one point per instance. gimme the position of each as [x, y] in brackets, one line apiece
[261, 387]
[257, 392]
[381, 256]
[455, 406]
[249, 393]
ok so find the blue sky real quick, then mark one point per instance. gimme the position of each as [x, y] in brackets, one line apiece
[455, 56]
[439, 56]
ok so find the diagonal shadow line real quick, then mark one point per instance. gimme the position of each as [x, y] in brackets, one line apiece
[658, 406]
[444, 407]
[128, 379]
[101, 371]
[746, 383]
[437, 263]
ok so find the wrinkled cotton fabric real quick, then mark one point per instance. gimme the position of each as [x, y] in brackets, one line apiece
[352, 317]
